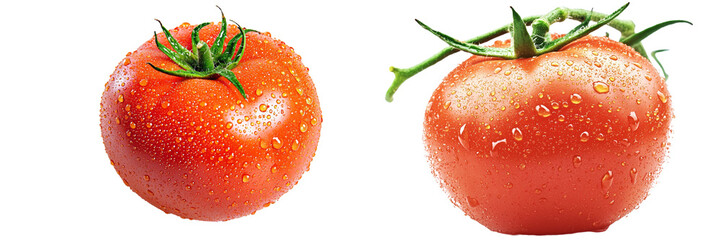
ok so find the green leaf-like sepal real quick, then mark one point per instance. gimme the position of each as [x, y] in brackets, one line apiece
[204, 61]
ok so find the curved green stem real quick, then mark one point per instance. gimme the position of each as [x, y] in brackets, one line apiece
[403, 74]
[539, 38]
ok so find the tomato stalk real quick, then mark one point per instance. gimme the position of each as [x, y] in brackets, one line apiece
[204, 61]
[527, 45]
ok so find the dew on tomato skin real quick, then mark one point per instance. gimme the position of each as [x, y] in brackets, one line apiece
[576, 161]
[600, 137]
[277, 143]
[633, 122]
[295, 145]
[543, 111]
[472, 202]
[132, 125]
[461, 138]
[245, 178]
[264, 144]
[165, 104]
[585, 136]
[634, 174]
[303, 127]
[121, 98]
[143, 82]
[607, 181]
[517, 134]
[575, 98]
[600, 87]
[495, 146]
[661, 97]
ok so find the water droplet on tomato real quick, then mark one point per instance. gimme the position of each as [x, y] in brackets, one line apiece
[132, 125]
[295, 145]
[143, 82]
[472, 201]
[258, 92]
[188, 187]
[633, 121]
[508, 185]
[263, 107]
[461, 137]
[303, 127]
[634, 174]
[543, 111]
[585, 136]
[277, 144]
[575, 98]
[661, 97]
[245, 178]
[600, 87]
[273, 169]
[517, 134]
[496, 146]
[146, 178]
[264, 144]
[607, 181]
[561, 118]
[576, 161]
[121, 98]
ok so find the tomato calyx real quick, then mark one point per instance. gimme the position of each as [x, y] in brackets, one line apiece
[203, 61]
[525, 45]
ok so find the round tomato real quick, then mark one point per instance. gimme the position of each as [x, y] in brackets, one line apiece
[198, 147]
[567, 141]
[548, 134]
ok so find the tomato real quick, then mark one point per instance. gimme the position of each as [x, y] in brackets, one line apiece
[564, 142]
[548, 135]
[198, 148]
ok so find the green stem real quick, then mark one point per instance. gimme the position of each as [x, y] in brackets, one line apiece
[540, 26]
[403, 74]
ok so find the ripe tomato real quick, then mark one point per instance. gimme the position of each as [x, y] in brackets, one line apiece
[196, 147]
[567, 141]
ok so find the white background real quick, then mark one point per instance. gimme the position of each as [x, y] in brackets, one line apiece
[370, 178]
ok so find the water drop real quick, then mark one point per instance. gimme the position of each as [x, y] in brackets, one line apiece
[600, 87]
[584, 137]
[662, 97]
[263, 107]
[295, 145]
[607, 181]
[258, 92]
[303, 127]
[633, 121]
[143, 82]
[472, 201]
[575, 98]
[634, 174]
[245, 178]
[277, 144]
[543, 111]
[576, 161]
[495, 146]
[517, 134]
[461, 138]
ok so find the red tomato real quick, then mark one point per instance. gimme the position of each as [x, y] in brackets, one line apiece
[195, 147]
[567, 141]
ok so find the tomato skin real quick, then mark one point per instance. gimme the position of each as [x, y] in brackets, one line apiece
[518, 151]
[194, 147]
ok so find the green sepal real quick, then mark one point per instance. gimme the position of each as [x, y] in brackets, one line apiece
[204, 61]
[233, 79]
[469, 47]
[523, 46]
[653, 55]
[635, 40]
